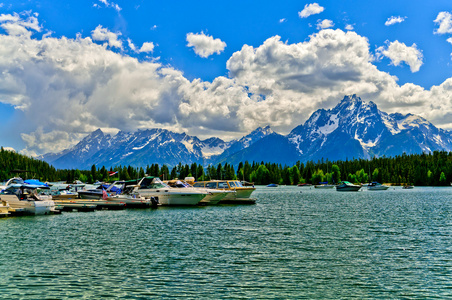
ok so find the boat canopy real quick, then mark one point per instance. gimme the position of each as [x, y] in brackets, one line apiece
[35, 182]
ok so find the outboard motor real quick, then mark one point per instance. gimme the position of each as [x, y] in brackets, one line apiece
[154, 201]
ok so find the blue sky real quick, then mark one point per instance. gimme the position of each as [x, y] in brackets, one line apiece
[213, 69]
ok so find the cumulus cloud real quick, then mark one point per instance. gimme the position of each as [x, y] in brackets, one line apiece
[310, 9]
[103, 34]
[16, 25]
[84, 86]
[205, 45]
[324, 24]
[349, 27]
[394, 20]
[147, 47]
[282, 20]
[399, 52]
[444, 21]
[449, 40]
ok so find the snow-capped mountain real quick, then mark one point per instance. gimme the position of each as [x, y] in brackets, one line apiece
[356, 129]
[352, 129]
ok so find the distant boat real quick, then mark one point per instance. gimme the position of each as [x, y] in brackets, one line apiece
[272, 185]
[324, 185]
[408, 187]
[375, 186]
[346, 186]
[304, 184]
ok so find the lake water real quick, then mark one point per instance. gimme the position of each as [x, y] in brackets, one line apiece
[294, 243]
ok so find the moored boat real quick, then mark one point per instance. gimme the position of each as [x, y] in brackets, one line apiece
[346, 186]
[213, 195]
[375, 186]
[151, 186]
[241, 193]
[132, 198]
[24, 198]
[324, 185]
[272, 185]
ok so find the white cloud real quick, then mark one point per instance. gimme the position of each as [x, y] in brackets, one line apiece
[444, 20]
[84, 86]
[147, 47]
[310, 9]
[324, 24]
[15, 25]
[399, 52]
[349, 27]
[103, 34]
[205, 45]
[394, 20]
[449, 40]
[282, 20]
[109, 4]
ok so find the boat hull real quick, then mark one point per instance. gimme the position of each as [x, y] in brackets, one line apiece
[30, 207]
[378, 188]
[174, 197]
[324, 186]
[348, 189]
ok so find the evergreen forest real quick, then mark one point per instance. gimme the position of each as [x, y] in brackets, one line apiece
[426, 169]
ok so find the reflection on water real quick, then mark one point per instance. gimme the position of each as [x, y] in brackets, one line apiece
[295, 243]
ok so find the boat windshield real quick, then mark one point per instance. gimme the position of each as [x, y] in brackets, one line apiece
[211, 185]
[156, 184]
[199, 184]
[238, 184]
[9, 191]
[178, 184]
[223, 185]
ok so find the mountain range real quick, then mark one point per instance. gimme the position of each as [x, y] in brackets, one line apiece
[352, 129]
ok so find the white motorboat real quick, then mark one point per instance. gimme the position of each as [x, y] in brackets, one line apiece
[240, 194]
[213, 195]
[24, 197]
[131, 198]
[153, 187]
[324, 185]
[346, 186]
[375, 186]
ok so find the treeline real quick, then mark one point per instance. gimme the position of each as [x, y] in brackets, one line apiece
[434, 169]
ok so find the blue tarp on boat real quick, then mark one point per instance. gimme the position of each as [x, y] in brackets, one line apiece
[35, 182]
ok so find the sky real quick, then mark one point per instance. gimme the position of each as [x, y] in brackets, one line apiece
[213, 69]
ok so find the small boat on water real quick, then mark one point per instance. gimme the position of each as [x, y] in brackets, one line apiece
[151, 186]
[324, 185]
[24, 198]
[213, 195]
[132, 198]
[375, 186]
[407, 187]
[346, 186]
[241, 194]
[97, 193]
[272, 185]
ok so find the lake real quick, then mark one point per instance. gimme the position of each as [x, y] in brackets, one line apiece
[296, 242]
